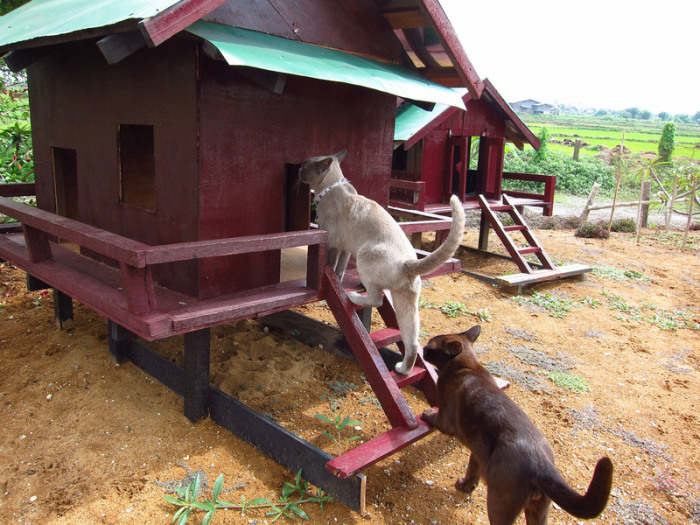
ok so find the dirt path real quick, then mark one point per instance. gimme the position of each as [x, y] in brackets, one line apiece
[605, 366]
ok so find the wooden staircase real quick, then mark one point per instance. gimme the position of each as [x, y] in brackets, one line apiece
[529, 275]
[406, 427]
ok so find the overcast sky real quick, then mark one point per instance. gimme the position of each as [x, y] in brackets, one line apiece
[611, 54]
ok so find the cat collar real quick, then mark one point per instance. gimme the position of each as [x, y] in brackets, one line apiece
[318, 197]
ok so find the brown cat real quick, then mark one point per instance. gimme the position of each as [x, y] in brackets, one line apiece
[507, 451]
[384, 256]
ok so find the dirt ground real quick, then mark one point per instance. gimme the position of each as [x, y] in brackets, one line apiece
[87, 441]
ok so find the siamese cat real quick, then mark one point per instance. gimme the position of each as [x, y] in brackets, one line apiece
[384, 256]
[507, 451]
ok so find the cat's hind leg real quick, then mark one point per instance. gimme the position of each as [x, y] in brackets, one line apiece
[406, 306]
[372, 299]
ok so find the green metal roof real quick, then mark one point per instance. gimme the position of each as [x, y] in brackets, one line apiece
[45, 18]
[410, 119]
[239, 47]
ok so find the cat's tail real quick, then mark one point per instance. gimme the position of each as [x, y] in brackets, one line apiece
[592, 503]
[445, 250]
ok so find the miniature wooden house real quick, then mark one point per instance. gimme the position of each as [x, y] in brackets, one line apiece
[433, 151]
[184, 122]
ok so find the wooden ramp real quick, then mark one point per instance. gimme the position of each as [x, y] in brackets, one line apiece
[531, 273]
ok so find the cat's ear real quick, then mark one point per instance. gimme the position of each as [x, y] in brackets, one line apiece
[453, 348]
[323, 165]
[473, 333]
[340, 155]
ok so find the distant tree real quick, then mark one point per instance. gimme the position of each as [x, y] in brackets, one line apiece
[8, 5]
[645, 115]
[696, 117]
[667, 142]
[682, 117]
[630, 112]
[543, 135]
[601, 113]
[664, 116]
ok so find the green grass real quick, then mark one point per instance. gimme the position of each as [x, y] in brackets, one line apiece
[640, 135]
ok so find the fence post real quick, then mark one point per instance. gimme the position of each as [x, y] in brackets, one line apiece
[646, 191]
[589, 202]
[577, 148]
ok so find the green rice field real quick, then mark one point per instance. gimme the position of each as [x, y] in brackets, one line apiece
[640, 135]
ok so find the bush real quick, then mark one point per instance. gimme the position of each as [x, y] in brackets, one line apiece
[573, 177]
[592, 231]
[624, 226]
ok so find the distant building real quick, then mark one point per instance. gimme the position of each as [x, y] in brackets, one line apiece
[533, 107]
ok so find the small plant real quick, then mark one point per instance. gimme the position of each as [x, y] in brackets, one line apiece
[556, 306]
[610, 272]
[453, 309]
[422, 303]
[188, 501]
[623, 226]
[592, 231]
[571, 382]
[339, 425]
[482, 315]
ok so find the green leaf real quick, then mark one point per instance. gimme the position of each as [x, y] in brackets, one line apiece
[207, 517]
[182, 492]
[324, 418]
[184, 516]
[332, 438]
[218, 485]
[174, 501]
[206, 506]
[259, 501]
[179, 513]
[303, 515]
[352, 438]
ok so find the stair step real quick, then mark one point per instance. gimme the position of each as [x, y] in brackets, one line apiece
[515, 228]
[500, 207]
[376, 449]
[530, 249]
[414, 375]
[385, 336]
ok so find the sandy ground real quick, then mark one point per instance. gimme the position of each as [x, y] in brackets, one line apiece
[87, 441]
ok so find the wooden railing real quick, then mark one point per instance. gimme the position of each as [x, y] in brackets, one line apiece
[547, 198]
[414, 192]
[135, 259]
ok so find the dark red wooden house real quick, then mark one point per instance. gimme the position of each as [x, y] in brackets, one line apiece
[450, 151]
[167, 135]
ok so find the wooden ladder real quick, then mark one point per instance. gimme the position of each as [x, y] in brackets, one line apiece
[519, 225]
[406, 427]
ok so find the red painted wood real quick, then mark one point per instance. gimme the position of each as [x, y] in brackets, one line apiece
[138, 285]
[377, 449]
[95, 239]
[385, 336]
[171, 21]
[20, 189]
[402, 381]
[453, 47]
[238, 245]
[393, 403]
[37, 244]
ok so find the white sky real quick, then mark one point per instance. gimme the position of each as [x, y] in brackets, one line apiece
[612, 54]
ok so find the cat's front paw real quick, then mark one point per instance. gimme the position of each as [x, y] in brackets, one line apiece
[466, 484]
[405, 366]
[430, 415]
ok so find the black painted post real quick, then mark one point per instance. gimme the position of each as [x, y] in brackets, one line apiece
[62, 309]
[484, 227]
[197, 348]
[119, 342]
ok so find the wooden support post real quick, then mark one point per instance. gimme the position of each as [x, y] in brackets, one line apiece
[62, 309]
[577, 149]
[484, 227]
[197, 346]
[365, 315]
[37, 244]
[119, 342]
[589, 202]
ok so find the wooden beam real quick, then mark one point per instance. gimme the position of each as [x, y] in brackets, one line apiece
[117, 47]
[171, 21]
[22, 58]
[405, 18]
[434, 12]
